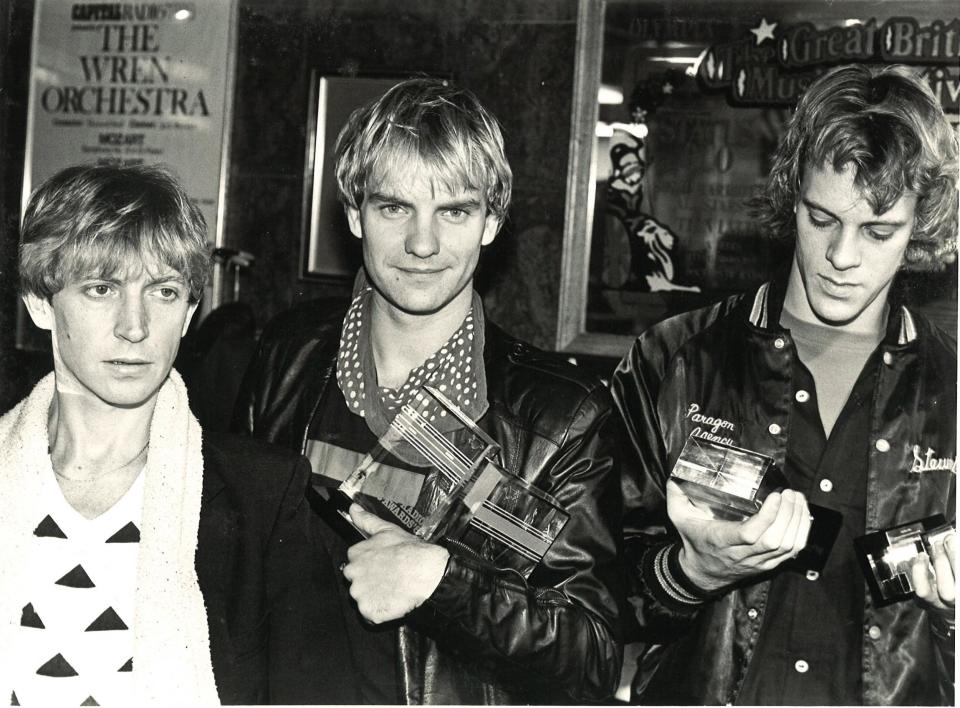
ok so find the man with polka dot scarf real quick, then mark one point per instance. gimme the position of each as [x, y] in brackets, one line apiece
[425, 184]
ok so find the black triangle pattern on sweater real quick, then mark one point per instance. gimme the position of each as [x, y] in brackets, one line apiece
[30, 618]
[76, 578]
[48, 529]
[57, 667]
[128, 534]
[108, 620]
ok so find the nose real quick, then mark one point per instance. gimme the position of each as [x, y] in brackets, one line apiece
[421, 239]
[131, 323]
[843, 251]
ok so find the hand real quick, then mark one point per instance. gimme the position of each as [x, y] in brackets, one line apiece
[392, 571]
[933, 576]
[717, 553]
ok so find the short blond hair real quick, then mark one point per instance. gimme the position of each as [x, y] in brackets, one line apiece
[98, 219]
[444, 127]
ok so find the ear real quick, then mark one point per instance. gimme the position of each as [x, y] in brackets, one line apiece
[191, 311]
[40, 309]
[353, 218]
[491, 227]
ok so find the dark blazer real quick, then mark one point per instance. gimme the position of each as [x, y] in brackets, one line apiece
[274, 638]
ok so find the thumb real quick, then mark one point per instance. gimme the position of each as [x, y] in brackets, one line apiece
[750, 531]
[680, 508]
[368, 523]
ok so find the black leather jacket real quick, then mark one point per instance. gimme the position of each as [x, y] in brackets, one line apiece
[734, 364]
[485, 636]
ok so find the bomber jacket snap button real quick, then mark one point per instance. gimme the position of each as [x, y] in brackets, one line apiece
[875, 632]
[774, 429]
[801, 666]
[752, 613]
[882, 445]
[779, 343]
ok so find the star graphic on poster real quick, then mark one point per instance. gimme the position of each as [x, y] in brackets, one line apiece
[764, 31]
[668, 88]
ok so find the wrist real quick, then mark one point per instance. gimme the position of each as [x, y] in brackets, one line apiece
[705, 583]
[434, 569]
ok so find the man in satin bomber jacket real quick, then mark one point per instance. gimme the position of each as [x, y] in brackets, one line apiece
[853, 395]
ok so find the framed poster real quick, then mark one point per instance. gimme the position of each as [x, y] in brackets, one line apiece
[329, 251]
[677, 110]
[147, 83]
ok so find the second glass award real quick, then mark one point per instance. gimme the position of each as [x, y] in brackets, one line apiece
[450, 485]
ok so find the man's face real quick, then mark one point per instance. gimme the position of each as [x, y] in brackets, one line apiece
[846, 256]
[115, 339]
[421, 242]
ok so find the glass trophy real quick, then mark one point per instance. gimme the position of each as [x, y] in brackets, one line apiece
[887, 556]
[728, 481]
[449, 485]
[506, 521]
[413, 474]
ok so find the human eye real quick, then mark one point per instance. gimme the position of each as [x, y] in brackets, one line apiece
[391, 211]
[168, 292]
[819, 221]
[99, 290]
[457, 214]
[879, 234]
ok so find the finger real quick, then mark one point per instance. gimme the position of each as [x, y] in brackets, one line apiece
[679, 507]
[950, 548]
[349, 571]
[796, 536]
[803, 531]
[779, 535]
[369, 523]
[750, 531]
[944, 574]
[922, 580]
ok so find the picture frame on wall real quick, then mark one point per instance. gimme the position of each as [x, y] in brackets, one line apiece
[677, 110]
[329, 251]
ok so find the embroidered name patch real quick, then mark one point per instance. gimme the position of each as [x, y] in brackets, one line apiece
[709, 427]
[928, 463]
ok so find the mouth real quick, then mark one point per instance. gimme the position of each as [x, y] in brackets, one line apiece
[420, 271]
[127, 363]
[836, 287]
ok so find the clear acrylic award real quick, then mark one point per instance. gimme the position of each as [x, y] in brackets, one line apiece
[887, 556]
[449, 485]
[413, 474]
[506, 521]
[728, 481]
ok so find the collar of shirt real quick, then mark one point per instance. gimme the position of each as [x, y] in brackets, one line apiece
[456, 370]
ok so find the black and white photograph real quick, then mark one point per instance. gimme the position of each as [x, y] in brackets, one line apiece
[478, 352]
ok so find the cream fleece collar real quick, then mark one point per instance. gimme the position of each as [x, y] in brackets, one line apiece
[171, 641]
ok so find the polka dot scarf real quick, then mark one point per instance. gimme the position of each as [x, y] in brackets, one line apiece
[456, 370]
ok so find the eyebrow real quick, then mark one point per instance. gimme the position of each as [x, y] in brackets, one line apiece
[114, 280]
[879, 222]
[386, 198]
[168, 278]
[463, 204]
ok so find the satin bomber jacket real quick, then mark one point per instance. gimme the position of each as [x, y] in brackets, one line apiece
[725, 371]
[486, 636]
